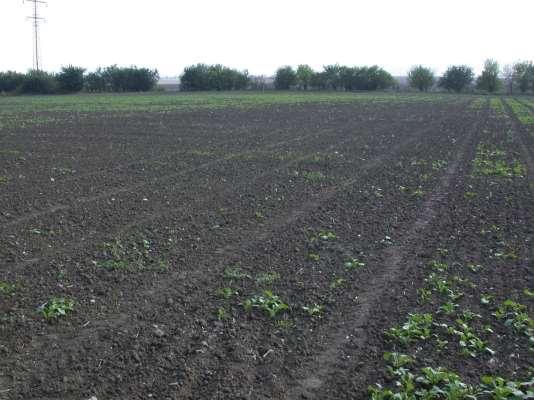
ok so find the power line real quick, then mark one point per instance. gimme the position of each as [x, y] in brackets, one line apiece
[36, 19]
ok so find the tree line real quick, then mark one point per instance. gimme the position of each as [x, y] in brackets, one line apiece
[73, 79]
[518, 77]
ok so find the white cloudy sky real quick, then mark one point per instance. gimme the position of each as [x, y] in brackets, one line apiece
[261, 35]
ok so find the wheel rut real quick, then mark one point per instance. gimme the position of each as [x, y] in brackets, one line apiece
[315, 372]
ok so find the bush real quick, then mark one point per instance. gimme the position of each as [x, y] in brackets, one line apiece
[421, 78]
[213, 77]
[285, 78]
[119, 79]
[38, 82]
[70, 79]
[10, 81]
[457, 78]
[365, 78]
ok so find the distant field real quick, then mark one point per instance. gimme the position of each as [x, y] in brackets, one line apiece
[266, 246]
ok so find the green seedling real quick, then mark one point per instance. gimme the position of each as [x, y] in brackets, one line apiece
[7, 288]
[528, 293]
[448, 308]
[259, 216]
[498, 388]
[56, 307]
[3, 179]
[424, 295]
[267, 278]
[268, 302]
[486, 299]
[226, 293]
[222, 314]
[396, 363]
[235, 273]
[314, 310]
[438, 266]
[515, 316]
[470, 195]
[313, 176]
[419, 192]
[417, 327]
[353, 264]
[324, 236]
[314, 257]
[438, 164]
[337, 283]
[474, 267]
[469, 342]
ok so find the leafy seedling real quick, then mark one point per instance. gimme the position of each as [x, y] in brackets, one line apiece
[268, 302]
[56, 307]
[314, 310]
[353, 264]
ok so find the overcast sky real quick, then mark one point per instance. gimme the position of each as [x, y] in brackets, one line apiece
[261, 35]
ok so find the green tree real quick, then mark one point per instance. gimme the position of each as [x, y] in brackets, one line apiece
[38, 82]
[70, 79]
[285, 78]
[304, 76]
[489, 79]
[332, 75]
[457, 78]
[10, 81]
[421, 78]
[524, 75]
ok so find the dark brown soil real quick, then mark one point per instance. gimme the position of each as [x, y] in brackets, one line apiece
[172, 200]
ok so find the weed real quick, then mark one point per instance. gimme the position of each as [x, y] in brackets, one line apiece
[528, 293]
[259, 216]
[500, 389]
[469, 342]
[3, 179]
[448, 308]
[419, 192]
[486, 299]
[424, 295]
[438, 266]
[474, 267]
[270, 303]
[56, 307]
[470, 195]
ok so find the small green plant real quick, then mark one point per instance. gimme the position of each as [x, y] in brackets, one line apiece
[498, 388]
[313, 176]
[235, 273]
[267, 278]
[417, 327]
[323, 235]
[7, 288]
[424, 295]
[515, 316]
[114, 264]
[528, 293]
[438, 266]
[314, 310]
[337, 283]
[56, 307]
[474, 267]
[259, 216]
[470, 195]
[470, 343]
[222, 314]
[419, 192]
[268, 302]
[486, 299]
[3, 179]
[314, 257]
[438, 164]
[353, 264]
[448, 308]
[226, 293]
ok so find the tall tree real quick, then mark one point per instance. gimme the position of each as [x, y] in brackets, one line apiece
[524, 75]
[421, 78]
[457, 78]
[285, 78]
[489, 79]
[304, 76]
